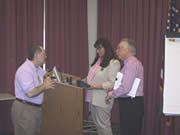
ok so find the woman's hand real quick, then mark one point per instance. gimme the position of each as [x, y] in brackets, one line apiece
[107, 99]
[94, 86]
[109, 90]
[84, 79]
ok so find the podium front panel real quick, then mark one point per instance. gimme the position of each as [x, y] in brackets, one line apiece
[62, 111]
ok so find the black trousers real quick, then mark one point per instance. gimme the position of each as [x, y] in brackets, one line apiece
[131, 115]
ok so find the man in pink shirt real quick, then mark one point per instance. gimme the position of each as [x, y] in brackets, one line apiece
[29, 87]
[131, 107]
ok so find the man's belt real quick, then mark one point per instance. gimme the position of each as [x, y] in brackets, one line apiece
[125, 98]
[29, 103]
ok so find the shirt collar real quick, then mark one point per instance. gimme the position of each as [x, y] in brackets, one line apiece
[33, 67]
[126, 60]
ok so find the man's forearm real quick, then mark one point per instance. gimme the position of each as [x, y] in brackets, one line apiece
[36, 91]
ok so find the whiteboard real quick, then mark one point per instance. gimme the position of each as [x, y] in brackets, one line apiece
[171, 87]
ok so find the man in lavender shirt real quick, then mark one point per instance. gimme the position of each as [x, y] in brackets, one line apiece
[131, 108]
[30, 84]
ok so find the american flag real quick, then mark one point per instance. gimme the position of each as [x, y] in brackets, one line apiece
[173, 18]
[172, 26]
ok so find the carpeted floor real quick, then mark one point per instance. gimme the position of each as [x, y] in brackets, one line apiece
[89, 128]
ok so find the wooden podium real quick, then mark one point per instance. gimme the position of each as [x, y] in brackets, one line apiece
[62, 110]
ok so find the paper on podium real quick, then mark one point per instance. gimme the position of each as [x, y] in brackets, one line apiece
[134, 88]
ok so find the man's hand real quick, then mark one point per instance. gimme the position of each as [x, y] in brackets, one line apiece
[48, 83]
[48, 74]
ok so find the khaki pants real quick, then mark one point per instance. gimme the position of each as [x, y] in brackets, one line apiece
[102, 119]
[26, 119]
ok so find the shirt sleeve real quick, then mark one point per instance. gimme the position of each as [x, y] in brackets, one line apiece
[129, 75]
[114, 67]
[26, 81]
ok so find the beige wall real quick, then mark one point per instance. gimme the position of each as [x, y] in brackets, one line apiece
[92, 28]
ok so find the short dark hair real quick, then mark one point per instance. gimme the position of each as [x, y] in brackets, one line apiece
[109, 53]
[35, 48]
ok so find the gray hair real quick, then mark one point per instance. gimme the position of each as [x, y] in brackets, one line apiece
[130, 44]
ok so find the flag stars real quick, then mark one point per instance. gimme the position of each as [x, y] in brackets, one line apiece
[173, 21]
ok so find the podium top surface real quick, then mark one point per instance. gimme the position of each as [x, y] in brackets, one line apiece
[69, 85]
[6, 96]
